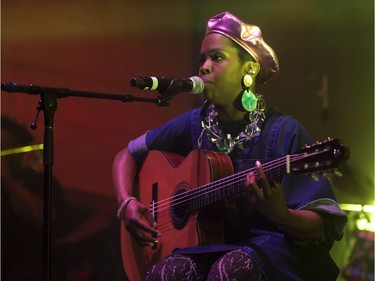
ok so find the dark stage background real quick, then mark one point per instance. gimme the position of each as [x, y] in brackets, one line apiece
[326, 57]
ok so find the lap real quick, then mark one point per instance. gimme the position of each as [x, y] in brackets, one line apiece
[233, 265]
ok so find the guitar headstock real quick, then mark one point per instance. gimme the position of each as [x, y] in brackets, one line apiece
[319, 158]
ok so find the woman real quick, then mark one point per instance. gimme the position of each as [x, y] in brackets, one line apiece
[279, 229]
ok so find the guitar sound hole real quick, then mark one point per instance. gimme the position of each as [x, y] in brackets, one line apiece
[180, 209]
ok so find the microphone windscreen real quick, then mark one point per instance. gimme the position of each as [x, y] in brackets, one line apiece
[198, 85]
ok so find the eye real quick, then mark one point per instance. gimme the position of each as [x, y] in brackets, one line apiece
[218, 57]
[213, 57]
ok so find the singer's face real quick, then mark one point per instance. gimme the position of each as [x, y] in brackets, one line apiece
[221, 70]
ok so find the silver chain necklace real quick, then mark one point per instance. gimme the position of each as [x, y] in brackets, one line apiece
[225, 142]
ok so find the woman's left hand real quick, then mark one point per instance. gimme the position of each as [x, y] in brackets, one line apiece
[268, 197]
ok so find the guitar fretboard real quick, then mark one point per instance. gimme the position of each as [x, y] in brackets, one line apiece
[232, 185]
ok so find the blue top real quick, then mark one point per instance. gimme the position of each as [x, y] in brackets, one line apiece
[278, 255]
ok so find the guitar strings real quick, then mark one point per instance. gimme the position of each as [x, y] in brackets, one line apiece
[235, 181]
[211, 187]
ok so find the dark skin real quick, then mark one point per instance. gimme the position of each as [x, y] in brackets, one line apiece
[222, 70]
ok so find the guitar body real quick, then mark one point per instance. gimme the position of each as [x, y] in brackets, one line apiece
[163, 176]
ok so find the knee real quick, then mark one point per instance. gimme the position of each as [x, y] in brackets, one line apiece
[235, 265]
[174, 267]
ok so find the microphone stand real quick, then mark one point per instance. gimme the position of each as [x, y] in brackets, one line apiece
[48, 103]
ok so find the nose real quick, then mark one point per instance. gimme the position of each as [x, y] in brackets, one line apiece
[205, 68]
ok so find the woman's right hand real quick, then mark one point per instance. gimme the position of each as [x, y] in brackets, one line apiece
[140, 224]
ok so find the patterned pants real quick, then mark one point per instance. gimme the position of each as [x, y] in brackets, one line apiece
[233, 265]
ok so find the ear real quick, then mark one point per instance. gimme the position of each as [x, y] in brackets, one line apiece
[252, 68]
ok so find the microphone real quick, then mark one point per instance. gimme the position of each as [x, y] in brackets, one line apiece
[194, 84]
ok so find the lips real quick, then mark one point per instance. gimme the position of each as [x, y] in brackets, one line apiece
[206, 81]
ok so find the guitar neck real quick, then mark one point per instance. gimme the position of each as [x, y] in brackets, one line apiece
[232, 185]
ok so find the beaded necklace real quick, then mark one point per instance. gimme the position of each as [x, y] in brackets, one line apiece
[226, 142]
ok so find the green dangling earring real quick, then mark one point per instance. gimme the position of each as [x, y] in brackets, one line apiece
[249, 100]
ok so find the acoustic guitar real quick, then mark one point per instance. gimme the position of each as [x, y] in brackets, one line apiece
[187, 197]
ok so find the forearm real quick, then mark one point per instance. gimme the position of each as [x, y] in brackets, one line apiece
[302, 224]
[124, 172]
